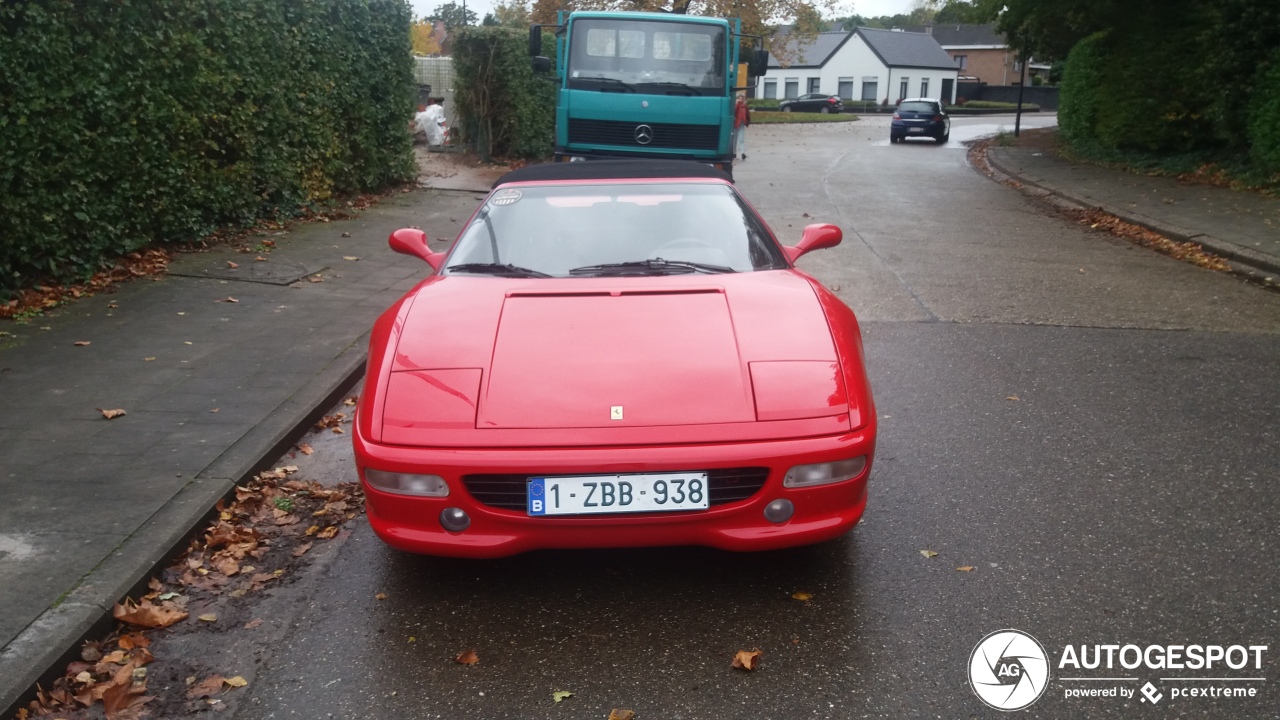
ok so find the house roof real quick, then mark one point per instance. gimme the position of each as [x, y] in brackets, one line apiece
[896, 48]
[815, 53]
[955, 34]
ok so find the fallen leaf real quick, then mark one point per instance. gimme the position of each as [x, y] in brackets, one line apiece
[208, 687]
[81, 343]
[148, 359]
[352, 258]
[208, 617]
[237, 681]
[305, 449]
[111, 414]
[802, 595]
[214, 410]
[301, 549]
[467, 657]
[137, 639]
[928, 553]
[351, 400]
[228, 299]
[1014, 398]
[232, 265]
[346, 234]
[616, 714]
[253, 623]
[965, 568]
[561, 695]
[328, 532]
[147, 615]
[412, 639]
[747, 659]
[380, 596]
[315, 279]
[116, 657]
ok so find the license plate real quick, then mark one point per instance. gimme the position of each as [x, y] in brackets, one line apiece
[915, 129]
[594, 494]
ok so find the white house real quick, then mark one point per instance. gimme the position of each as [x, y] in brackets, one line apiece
[866, 64]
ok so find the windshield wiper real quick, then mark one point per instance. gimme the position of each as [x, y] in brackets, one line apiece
[618, 83]
[673, 88]
[503, 269]
[643, 267]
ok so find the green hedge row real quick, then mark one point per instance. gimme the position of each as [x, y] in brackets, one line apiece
[503, 108]
[126, 122]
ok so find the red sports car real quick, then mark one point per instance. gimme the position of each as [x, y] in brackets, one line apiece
[614, 354]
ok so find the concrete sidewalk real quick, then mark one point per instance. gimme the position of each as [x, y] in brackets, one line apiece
[1243, 227]
[212, 389]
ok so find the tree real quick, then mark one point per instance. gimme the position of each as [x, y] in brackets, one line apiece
[967, 12]
[422, 36]
[452, 15]
[512, 14]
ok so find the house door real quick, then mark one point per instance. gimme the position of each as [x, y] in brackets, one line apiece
[947, 86]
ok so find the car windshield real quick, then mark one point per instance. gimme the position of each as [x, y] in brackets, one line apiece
[923, 108]
[657, 57]
[613, 229]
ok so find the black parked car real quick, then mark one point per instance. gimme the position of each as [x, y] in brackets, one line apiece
[920, 117]
[813, 102]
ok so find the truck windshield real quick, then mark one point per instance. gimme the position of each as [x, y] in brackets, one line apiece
[657, 57]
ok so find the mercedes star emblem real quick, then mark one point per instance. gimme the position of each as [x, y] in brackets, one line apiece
[644, 134]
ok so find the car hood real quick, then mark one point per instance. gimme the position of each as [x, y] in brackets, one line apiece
[606, 355]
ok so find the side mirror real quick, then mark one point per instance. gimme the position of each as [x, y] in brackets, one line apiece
[535, 40]
[815, 237]
[408, 241]
[542, 64]
[759, 63]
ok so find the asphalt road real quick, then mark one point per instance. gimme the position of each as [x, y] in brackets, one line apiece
[1090, 426]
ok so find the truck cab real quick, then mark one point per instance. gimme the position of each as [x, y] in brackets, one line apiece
[635, 84]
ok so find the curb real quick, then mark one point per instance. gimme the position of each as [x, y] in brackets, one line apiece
[41, 651]
[1247, 259]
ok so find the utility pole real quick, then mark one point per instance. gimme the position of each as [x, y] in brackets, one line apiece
[1022, 87]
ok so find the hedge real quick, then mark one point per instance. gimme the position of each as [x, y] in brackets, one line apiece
[1077, 99]
[128, 122]
[503, 108]
[1264, 119]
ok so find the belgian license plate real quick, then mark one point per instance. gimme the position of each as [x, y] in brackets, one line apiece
[917, 129]
[590, 495]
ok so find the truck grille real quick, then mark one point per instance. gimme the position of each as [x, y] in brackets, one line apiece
[665, 135]
[508, 491]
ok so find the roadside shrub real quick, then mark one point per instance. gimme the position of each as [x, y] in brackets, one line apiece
[763, 103]
[128, 122]
[503, 107]
[1264, 118]
[1077, 98]
[1152, 98]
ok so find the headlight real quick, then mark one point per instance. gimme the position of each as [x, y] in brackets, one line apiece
[406, 484]
[824, 473]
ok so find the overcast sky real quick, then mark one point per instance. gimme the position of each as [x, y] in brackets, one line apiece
[866, 8]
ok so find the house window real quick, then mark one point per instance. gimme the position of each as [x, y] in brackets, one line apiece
[924, 87]
[791, 87]
[962, 61]
[771, 89]
[902, 89]
[845, 88]
[814, 84]
[869, 90]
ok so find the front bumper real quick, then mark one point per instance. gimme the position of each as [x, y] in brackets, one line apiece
[412, 523]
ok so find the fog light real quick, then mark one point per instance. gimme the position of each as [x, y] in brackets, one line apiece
[779, 511]
[824, 473]
[454, 519]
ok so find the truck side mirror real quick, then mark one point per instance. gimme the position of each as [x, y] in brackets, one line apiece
[759, 63]
[535, 40]
[542, 64]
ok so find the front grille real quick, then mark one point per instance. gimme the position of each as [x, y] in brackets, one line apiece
[508, 491]
[665, 135]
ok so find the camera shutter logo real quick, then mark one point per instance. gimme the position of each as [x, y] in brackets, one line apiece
[1009, 670]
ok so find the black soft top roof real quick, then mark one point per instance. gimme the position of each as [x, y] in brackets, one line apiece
[612, 170]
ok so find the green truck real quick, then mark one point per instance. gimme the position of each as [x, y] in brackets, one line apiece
[657, 85]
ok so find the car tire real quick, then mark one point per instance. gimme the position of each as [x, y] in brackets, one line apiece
[825, 110]
[942, 138]
[894, 139]
[786, 108]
